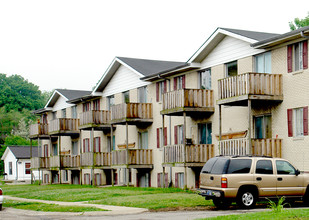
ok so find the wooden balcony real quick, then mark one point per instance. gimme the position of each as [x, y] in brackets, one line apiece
[97, 119]
[69, 161]
[138, 158]
[260, 147]
[64, 126]
[237, 90]
[101, 159]
[190, 155]
[191, 101]
[39, 130]
[35, 163]
[132, 113]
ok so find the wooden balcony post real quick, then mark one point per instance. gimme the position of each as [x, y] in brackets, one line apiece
[127, 154]
[163, 151]
[184, 150]
[59, 155]
[93, 156]
[249, 149]
[220, 127]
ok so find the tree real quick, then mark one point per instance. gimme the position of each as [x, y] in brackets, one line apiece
[298, 23]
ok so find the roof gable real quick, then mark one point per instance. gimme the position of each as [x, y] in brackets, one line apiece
[220, 33]
[66, 94]
[21, 152]
[141, 67]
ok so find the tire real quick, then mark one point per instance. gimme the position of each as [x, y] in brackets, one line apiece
[0, 207]
[306, 198]
[221, 203]
[246, 199]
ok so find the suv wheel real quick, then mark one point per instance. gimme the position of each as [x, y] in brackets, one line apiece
[221, 204]
[246, 199]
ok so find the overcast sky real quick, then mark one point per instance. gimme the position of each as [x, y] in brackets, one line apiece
[70, 43]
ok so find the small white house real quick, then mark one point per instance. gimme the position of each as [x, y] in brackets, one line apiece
[17, 163]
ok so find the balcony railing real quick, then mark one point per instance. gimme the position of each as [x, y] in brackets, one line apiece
[68, 161]
[63, 125]
[188, 98]
[132, 112]
[194, 153]
[263, 84]
[136, 157]
[95, 117]
[260, 147]
[35, 162]
[38, 129]
[100, 159]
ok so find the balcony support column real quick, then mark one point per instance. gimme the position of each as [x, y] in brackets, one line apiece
[127, 154]
[163, 151]
[92, 148]
[249, 145]
[220, 127]
[184, 149]
[59, 154]
[40, 163]
[31, 173]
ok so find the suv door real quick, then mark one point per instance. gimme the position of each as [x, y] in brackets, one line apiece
[265, 178]
[288, 183]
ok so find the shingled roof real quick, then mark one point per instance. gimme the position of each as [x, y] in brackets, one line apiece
[23, 152]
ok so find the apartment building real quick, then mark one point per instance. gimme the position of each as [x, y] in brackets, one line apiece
[155, 123]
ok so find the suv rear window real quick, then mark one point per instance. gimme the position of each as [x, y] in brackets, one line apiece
[215, 165]
[239, 166]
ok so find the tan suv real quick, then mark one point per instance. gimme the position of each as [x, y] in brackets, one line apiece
[245, 179]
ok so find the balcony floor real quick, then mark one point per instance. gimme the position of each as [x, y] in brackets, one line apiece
[243, 99]
[96, 127]
[190, 111]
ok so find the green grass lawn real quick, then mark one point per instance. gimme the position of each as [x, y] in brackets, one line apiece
[295, 214]
[150, 198]
[37, 206]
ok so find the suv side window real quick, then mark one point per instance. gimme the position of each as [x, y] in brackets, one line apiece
[239, 166]
[264, 167]
[209, 164]
[284, 167]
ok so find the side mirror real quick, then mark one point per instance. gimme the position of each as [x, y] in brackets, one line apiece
[297, 172]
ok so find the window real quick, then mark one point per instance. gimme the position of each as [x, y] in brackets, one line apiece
[86, 145]
[110, 144]
[179, 180]
[263, 63]
[160, 180]
[285, 168]
[298, 122]
[204, 131]
[178, 134]
[97, 144]
[96, 104]
[231, 69]
[297, 57]
[64, 113]
[65, 175]
[205, 79]
[74, 148]
[27, 168]
[142, 94]
[239, 166]
[110, 102]
[161, 88]
[126, 96]
[161, 137]
[86, 107]
[55, 149]
[74, 111]
[143, 140]
[262, 126]
[179, 82]
[87, 179]
[10, 168]
[264, 167]
[54, 115]
[45, 153]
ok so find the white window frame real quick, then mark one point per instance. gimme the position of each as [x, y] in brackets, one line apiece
[298, 124]
[265, 58]
[205, 79]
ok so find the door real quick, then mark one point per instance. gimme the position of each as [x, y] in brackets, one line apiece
[288, 183]
[265, 178]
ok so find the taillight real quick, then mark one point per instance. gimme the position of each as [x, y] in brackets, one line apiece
[0, 192]
[223, 182]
